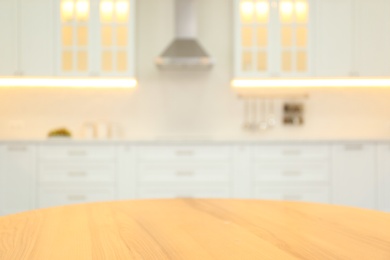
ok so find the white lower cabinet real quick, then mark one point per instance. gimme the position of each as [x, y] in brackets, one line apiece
[294, 172]
[50, 174]
[183, 191]
[178, 171]
[126, 172]
[354, 175]
[17, 178]
[70, 174]
[56, 196]
[384, 176]
[2, 174]
[312, 193]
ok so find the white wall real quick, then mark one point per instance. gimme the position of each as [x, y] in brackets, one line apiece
[186, 104]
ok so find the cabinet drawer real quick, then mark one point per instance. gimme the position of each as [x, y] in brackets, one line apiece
[309, 194]
[292, 172]
[183, 192]
[76, 172]
[48, 197]
[292, 152]
[184, 152]
[184, 172]
[76, 152]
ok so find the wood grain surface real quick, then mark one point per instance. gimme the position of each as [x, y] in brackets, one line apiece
[196, 229]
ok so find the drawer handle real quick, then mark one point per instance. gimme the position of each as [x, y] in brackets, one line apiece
[77, 197]
[184, 196]
[292, 173]
[16, 148]
[354, 147]
[185, 173]
[292, 152]
[184, 153]
[77, 174]
[77, 153]
[292, 197]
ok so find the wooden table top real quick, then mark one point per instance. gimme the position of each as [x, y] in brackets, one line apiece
[196, 229]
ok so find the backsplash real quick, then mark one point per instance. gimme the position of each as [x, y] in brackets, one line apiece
[187, 104]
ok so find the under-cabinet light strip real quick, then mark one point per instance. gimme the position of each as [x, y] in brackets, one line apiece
[312, 83]
[68, 82]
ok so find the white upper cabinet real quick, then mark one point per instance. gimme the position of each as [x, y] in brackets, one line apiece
[273, 38]
[315, 38]
[26, 46]
[95, 38]
[372, 29]
[354, 175]
[352, 38]
[334, 38]
[9, 37]
[36, 45]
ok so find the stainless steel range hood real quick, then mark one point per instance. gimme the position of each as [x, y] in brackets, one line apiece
[185, 52]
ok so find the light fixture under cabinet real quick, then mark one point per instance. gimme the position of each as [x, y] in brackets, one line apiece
[312, 83]
[108, 83]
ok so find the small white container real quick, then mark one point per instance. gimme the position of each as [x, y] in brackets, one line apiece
[88, 131]
[102, 131]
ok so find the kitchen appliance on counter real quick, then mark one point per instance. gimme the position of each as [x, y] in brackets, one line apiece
[101, 131]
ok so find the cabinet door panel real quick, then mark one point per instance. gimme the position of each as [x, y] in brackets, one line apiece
[372, 46]
[354, 175]
[36, 37]
[49, 197]
[384, 177]
[166, 191]
[9, 37]
[17, 182]
[334, 38]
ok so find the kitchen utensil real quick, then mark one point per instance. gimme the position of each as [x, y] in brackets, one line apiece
[271, 117]
[254, 124]
[88, 131]
[246, 124]
[263, 124]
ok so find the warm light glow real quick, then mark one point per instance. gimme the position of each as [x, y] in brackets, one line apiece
[312, 83]
[247, 11]
[68, 82]
[262, 10]
[122, 10]
[67, 10]
[286, 11]
[82, 10]
[106, 10]
[301, 11]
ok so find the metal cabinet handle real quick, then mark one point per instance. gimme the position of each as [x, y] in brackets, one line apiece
[185, 173]
[185, 153]
[77, 197]
[292, 152]
[77, 153]
[354, 147]
[292, 173]
[77, 174]
[292, 197]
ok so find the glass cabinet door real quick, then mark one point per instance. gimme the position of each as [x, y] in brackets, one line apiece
[114, 36]
[272, 38]
[74, 40]
[254, 36]
[293, 18]
[96, 38]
